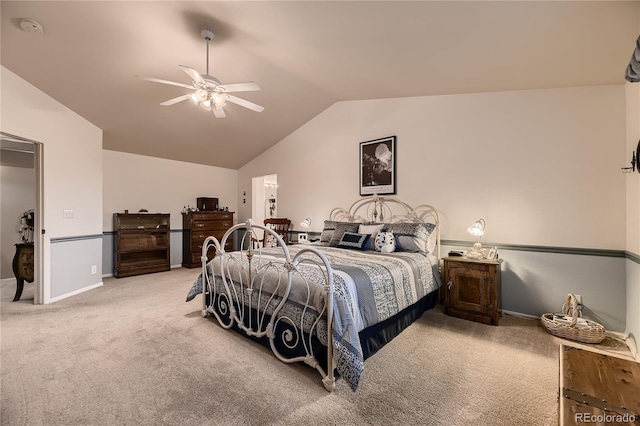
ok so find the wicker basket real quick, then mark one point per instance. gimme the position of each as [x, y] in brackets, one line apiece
[592, 333]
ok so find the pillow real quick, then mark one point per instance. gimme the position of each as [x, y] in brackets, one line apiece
[411, 236]
[327, 231]
[431, 242]
[372, 230]
[385, 242]
[352, 240]
[341, 228]
[271, 241]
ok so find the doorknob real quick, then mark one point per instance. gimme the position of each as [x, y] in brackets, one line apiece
[43, 231]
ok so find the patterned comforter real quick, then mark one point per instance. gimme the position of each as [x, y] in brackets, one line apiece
[369, 288]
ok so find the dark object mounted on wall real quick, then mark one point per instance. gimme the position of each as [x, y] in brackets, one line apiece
[633, 70]
[207, 204]
[635, 161]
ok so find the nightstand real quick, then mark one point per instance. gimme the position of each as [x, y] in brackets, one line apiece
[472, 289]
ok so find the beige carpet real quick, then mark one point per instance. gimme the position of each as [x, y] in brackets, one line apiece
[133, 352]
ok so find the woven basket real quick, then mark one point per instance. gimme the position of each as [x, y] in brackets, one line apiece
[594, 333]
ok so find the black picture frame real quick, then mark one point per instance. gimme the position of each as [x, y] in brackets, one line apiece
[378, 166]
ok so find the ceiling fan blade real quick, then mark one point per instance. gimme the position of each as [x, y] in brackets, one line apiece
[249, 86]
[246, 104]
[175, 100]
[172, 83]
[195, 75]
[218, 112]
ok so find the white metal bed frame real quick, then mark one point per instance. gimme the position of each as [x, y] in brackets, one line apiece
[235, 304]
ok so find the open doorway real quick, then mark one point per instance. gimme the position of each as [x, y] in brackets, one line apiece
[264, 203]
[21, 239]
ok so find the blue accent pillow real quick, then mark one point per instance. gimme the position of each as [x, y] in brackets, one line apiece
[341, 228]
[352, 240]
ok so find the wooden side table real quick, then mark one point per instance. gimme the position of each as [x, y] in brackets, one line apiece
[472, 289]
[23, 267]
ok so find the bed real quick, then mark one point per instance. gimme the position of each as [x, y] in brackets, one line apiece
[333, 303]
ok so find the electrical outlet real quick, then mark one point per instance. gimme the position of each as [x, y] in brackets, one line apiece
[579, 299]
[94, 269]
[68, 214]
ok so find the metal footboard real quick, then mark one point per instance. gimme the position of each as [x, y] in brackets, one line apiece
[288, 300]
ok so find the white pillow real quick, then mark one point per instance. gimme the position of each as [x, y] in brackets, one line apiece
[371, 230]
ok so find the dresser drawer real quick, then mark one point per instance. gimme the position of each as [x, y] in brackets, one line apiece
[197, 252]
[199, 237]
[211, 225]
[212, 216]
[196, 243]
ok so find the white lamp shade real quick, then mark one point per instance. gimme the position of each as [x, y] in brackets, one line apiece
[306, 223]
[477, 229]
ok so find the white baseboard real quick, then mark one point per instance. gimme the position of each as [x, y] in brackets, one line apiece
[73, 293]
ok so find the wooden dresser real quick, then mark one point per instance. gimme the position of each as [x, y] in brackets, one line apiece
[196, 227]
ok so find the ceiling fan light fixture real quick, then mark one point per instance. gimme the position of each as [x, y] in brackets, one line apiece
[219, 100]
[207, 91]
[201, 95]
[206, 105]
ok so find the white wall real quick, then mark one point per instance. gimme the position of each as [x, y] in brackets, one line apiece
[539, 166]
[18, 189]
[133, 182]
[542, 167]
[72, 155]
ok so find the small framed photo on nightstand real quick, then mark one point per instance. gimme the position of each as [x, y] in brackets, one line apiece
[492, 254]
[302, 238]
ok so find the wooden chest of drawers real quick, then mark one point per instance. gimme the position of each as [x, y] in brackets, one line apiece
[196, 227]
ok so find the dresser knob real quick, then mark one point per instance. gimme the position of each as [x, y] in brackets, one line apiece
[449, 284]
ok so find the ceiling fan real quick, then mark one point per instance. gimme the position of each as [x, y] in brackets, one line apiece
[208, 92]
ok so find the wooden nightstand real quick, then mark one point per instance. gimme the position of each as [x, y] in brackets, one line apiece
[472, 289]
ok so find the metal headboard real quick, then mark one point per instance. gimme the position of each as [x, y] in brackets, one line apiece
[385, 209]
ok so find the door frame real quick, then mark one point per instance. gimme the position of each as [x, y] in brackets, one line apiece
[40, 290]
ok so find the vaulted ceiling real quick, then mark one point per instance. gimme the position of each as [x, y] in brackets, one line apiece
[304, 55]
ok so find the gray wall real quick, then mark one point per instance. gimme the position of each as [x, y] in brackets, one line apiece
[536, 282]
[71, 262]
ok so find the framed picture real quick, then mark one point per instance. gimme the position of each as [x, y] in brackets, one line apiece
[492, 253]
[378, 166]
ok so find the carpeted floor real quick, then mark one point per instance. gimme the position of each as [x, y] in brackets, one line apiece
[133, 352]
